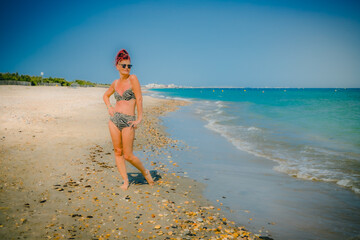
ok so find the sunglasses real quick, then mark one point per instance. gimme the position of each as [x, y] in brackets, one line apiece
[124, 65]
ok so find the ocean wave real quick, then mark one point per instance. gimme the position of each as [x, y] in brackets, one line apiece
[314, 174]
[295, 159]
[310, 157]
[163, 96]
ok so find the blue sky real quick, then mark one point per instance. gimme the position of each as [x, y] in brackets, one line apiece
[264, 43]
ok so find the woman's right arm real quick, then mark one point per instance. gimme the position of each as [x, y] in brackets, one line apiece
[106, 96]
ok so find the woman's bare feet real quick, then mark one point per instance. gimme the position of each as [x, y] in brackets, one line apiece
[125, 186]
[148, 177]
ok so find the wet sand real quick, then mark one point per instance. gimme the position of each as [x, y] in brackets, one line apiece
[58, 177]
[265, 200]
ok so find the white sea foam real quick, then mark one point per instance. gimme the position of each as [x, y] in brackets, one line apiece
[159, 95]
[254, 129]
[295, 157]
[301, 161]
[344, 182]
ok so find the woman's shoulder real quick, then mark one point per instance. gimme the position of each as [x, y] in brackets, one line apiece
[133, 79]
[135, 84]
[114, 82]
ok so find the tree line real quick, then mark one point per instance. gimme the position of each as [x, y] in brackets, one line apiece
[36, 80]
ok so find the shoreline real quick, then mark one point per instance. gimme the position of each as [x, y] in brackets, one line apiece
[59, 179]
[285, 206]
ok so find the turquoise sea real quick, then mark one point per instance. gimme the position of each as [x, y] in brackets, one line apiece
[283, 162]
[311, 134]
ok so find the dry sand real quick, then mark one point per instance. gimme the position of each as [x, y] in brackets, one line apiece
[58, 178]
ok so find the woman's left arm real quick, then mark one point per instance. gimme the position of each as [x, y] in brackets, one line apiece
[138, 96]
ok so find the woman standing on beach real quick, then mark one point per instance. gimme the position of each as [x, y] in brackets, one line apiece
[122, 123]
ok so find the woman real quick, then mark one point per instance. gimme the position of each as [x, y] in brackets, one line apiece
[122, 123]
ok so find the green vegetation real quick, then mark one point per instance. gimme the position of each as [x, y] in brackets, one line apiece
[83, 82]
[38, 80]
[106, 85]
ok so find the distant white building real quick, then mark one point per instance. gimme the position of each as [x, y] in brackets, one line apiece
[155, 85]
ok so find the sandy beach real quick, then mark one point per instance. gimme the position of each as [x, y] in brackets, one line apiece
[58, 176]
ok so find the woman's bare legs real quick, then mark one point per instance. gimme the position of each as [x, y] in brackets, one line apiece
[119, 158]
[128, 135]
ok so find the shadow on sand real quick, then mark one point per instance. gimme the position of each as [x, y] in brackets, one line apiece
[138, 178]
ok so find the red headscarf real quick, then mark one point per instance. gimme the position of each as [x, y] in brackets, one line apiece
[122, 55]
